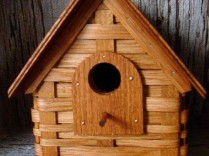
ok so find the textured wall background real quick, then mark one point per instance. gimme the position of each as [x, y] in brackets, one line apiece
[23, 24]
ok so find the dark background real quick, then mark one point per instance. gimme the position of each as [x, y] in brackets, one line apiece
[23, 24]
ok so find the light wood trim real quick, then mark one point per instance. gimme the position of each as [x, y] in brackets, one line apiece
[152, 104]
[46, 90]
[64, 90]
[35, 115]
[133, 20]
[54, 104]
[141, 61]
[148, 143]
[162, 104]
[149, 77]
[38, 150]
[72, 60]
[65, 117]
[157, 129]
[106, 151]
[131, 143]
[67, 142]
[60, 75]
[71, 135]
[163, 129]
[56, 128]
[123, 46]
[98, 31]
[129, 46]
[83, 47]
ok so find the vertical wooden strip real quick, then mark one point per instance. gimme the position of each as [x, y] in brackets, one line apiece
[47, 90]
[170, 119]
[104, 17]
[36, 124]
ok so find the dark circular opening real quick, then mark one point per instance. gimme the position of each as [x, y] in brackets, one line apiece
[104, 78]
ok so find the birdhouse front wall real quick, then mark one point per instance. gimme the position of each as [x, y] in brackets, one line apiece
[164, 116]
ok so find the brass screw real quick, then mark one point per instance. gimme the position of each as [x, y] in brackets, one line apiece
[136, 121]
[77, 84]
[131, 78]
[82, 123]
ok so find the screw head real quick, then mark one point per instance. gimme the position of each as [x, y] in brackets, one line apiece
[173, 72]
[82, 123]
[131, 78]
[136, 121]
[77, 84]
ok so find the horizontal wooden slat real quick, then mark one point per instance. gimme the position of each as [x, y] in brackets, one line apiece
[150, 136]
[149, 77]
[151, 104]
[54, 104]
[154, 77]
[68, 142]
[83, 47]
[98, 31]
[56, 128]
[122, 47]
[129, 47]
[162, 104]
[162, 129]
[142, 61]
[65, 117]
[63, 90]
[152, 91]
[184, 116]
[60, 75]
[148, 143]
[159, 129]
[106, 151]
[35, 115]
[88, 142]
[67, 135]
[72, 60]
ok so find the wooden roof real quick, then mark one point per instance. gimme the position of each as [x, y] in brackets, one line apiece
[73, 20]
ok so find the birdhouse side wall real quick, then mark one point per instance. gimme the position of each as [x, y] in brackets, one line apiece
[164, 117]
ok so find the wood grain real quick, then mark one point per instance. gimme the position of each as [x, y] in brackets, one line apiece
[141, 61]
[47, 90]
[105, 17]
[97, 31]
[86, 110]
[149, 77]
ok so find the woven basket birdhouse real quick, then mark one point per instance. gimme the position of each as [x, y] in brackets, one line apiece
[104, 82]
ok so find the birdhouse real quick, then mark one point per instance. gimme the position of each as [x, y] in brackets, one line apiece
[104, 82]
